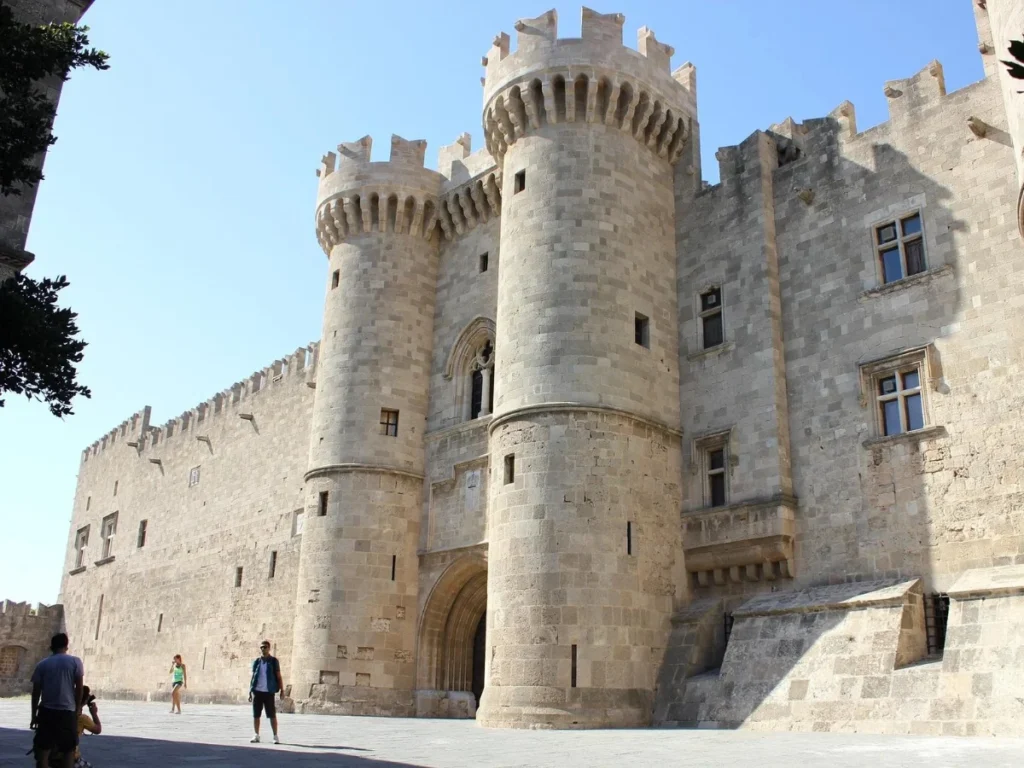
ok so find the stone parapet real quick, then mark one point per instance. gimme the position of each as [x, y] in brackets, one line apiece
[751, 541]
[592, 79]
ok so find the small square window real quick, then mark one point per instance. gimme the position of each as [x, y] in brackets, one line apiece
[642, 330]
[321, 508]
[519, 182]
[335, 279]
[510, 468]
[712, 330]
[193, 477]
[899, 246]
[483, 262]
[140, 542]
[388, 422]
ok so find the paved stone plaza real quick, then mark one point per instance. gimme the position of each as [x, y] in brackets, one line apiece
[144, 734]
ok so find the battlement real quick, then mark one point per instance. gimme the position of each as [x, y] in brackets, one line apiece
[142, 436]
[13, 611]
[358, 196]
[907, 98]
[590, 79]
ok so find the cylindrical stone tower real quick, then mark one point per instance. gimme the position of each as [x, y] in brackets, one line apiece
[585, 450]
[355, 628]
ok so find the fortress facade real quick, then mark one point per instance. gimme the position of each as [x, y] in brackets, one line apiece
[587, 441]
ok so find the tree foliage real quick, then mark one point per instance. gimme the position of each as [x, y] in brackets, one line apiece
[30, 55]
[1016, 67]
[38, 348]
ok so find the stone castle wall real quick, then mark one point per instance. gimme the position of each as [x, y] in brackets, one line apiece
[602, 607]
[129, 613]
[25, 633]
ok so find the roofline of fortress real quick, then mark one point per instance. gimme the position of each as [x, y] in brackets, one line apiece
[136, 431]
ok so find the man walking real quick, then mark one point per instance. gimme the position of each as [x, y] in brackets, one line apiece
[56, 701]
[266, 681]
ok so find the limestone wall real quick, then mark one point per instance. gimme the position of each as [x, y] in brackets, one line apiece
[128, 614]
[25, 633]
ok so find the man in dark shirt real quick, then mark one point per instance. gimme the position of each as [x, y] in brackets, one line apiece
[266, 681]
[56, 700]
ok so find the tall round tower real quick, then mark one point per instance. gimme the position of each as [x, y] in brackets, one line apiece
[585, 450]
[356, 596]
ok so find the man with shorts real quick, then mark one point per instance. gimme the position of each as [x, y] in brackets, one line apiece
[265, 682]
[56, 701]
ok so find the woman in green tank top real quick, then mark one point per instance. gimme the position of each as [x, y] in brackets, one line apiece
[179, 680]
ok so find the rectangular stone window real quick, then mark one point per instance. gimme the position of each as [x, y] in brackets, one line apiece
[298, 519]
[108, 529]
[273, 565]
[897, 388]
[140, 542]
[510, 468]
[321, 504]
[483, 262]
[712, 330]
[899, 247]
[388, 422]
[193, 477]
[81, 546]
[642, 330]
[716, 477]
[238, 576]
[519, 182]
[335, 279]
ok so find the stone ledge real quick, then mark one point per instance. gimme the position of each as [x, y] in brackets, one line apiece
[928, 433]
[719, 349]
[861, 594]
[104, 561]
[73, 571]
[921, 278]
[989, 582]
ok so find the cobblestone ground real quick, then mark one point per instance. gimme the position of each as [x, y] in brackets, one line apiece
[144, 734]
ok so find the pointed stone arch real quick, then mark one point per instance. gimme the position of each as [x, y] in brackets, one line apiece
[460, 366]
[452, 615]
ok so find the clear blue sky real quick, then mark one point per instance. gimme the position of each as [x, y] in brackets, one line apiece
[179, 197]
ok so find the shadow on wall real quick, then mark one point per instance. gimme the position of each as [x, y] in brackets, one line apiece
[125, 752]
[866, 505]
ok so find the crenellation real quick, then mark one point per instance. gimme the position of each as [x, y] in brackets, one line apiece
[924, 90]
[602, 28]
[659, 54]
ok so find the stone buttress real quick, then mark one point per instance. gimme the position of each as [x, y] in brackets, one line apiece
[585, 458]
[354, 646]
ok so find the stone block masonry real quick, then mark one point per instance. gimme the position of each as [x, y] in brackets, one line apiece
[25, 632]
[588, 442]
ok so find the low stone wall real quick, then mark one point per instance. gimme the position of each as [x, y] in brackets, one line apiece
[851, 658]
[459, 705]
[25, 633]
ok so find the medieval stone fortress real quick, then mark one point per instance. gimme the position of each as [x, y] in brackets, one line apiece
[587, 441]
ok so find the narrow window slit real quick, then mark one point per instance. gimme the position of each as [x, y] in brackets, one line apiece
[322, 505]
[394, 566]
[572, 680]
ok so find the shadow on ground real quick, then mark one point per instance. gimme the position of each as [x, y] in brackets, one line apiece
[129, 752]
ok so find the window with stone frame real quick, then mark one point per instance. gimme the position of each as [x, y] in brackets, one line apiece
[389, 422]
[193, 476]
[899, 247]
[481, 384]
[470, 368]
[896, 388]
[81, 546]
[712, 455]
[108, 530]
[712, 329]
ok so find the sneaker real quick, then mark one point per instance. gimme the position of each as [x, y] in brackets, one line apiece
[276, 740]
[255, 739]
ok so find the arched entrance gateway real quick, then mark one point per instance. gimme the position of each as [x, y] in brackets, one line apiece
[452, 645]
